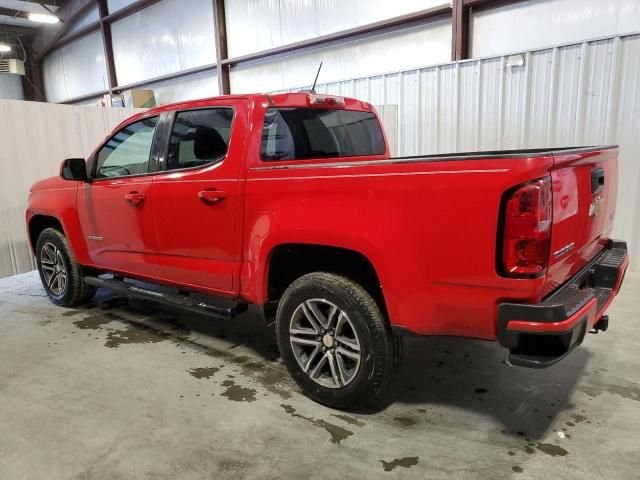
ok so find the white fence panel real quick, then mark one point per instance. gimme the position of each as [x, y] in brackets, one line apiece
[35, 138]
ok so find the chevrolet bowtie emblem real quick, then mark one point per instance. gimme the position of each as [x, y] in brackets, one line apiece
[596, 207]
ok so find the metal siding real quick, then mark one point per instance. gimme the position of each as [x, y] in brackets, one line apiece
[491, 78]
[541, 83]
[410, 91]
[626, 134]
[468, 111]
[11, 86]
[568, 86]
[428, 101]
[571, 95]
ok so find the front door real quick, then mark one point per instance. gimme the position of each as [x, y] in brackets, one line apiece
[115, 209]
[196, 199]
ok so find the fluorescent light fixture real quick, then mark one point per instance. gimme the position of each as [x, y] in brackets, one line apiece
[43, 18]
[4, 48]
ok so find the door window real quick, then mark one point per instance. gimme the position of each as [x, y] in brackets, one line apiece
[199, 137]
[128, 151]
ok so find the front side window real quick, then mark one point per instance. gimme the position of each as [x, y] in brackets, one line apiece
[306, 133]
[199, 137]
[128, 151]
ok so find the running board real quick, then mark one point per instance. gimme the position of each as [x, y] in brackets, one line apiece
[185, 302]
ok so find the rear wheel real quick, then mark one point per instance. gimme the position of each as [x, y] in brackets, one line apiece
[334, 341]
[61, 277]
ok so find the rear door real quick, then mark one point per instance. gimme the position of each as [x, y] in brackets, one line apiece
[585, 186]
[197, 198]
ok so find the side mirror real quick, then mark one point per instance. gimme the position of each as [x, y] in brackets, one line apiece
[74, 169]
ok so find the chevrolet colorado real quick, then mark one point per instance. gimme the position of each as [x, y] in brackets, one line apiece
[291, 202]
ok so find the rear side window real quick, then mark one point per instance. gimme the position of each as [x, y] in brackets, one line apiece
[199, 137]
[305, 133]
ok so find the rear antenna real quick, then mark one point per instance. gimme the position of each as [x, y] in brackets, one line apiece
[313, 87]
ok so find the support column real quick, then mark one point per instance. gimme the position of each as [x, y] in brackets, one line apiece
[105, 29]
[220, 25]
[460, 30]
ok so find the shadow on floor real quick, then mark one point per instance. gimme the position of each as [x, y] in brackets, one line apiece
[472, 375]
[460, 374]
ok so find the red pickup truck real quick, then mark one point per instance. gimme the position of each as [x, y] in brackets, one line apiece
[291, 202]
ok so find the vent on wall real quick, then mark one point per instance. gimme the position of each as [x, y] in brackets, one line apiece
[12, 66]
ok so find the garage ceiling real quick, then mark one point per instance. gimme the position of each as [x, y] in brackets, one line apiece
[13, 16]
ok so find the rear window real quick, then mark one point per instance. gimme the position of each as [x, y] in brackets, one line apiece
[305, 133]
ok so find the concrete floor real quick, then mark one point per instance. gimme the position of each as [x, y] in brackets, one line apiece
[130, 391]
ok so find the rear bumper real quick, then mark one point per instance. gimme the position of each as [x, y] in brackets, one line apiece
[539, 335]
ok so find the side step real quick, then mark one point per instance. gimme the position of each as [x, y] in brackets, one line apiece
[192, 302]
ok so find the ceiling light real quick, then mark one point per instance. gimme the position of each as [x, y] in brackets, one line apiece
[4, 48]
[43, 18]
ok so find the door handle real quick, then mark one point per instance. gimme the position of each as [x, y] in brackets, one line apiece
[134, 198]
[212, 196]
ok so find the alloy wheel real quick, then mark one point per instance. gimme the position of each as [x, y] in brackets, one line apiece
[325, 343]
[54, 269]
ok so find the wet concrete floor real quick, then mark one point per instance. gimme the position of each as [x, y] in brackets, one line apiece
[130, 390]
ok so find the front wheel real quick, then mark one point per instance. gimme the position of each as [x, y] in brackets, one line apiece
[334, 341]
[61, 277]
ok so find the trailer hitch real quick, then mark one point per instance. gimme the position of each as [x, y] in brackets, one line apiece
[601, 325]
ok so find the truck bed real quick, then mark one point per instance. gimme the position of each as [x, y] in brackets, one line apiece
[453, 156]
[432, 224]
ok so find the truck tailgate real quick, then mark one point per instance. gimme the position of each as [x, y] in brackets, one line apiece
[585, 186]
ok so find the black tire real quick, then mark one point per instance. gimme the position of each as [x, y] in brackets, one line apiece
[75, 291]
[380, 351]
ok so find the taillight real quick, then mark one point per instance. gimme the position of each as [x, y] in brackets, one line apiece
[527, 218]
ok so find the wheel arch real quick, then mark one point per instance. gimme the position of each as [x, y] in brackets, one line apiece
[40, 222]
[288, 261]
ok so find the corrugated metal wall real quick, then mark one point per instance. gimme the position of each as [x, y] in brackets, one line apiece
[34, 139]
[11, 86]
[580, 94]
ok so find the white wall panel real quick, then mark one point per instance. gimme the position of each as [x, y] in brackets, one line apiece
[55, 85]
[572, 95]
[35, 138]
[193, 87]
[76, 69]
[83, 21]
[542, 23]
[11, 86]
[164, 38]
[115, 5]
[254, 25]
[84, 65]
[418, 46]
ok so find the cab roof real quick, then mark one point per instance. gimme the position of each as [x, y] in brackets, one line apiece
[289, 99]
